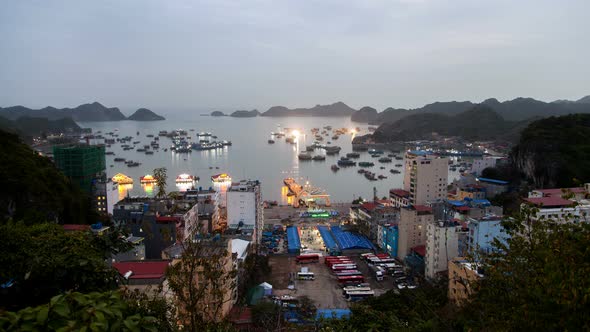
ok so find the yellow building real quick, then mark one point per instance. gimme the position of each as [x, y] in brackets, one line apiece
[214, 278]
[462, 274]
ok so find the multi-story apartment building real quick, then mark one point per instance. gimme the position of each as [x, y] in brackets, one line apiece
[216, 301]
[412, 228]
[478, 165]
[245, 208]
[426, 177]
[399, 197]
[442, 244]
[368, 216]
[482, 232]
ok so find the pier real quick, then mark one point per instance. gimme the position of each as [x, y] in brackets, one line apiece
[305, 193]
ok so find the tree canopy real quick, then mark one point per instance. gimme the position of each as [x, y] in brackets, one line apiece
[41, 261]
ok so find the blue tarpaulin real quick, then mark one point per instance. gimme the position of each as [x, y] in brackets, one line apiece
[332, 313]
[348, 240]
[328, 238]
[456, 203]
[293, 241]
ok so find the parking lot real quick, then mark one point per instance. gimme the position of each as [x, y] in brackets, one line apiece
[324, 291]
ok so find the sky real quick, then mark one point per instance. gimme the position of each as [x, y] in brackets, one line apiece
[172, 55]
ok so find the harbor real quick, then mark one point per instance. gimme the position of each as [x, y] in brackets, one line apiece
[249, 155]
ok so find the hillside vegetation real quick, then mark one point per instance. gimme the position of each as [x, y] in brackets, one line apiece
[34, 190]
[555, 152]
[478, 123]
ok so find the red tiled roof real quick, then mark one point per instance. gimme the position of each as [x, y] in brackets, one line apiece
[422, 208]
[551, 201]
[369, 206]
[167, 219]
[400, 192]
[75, 227]
[461, 208]
[143, 270]
[559, 192]
[420, 250]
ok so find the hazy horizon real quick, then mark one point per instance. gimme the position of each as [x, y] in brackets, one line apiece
[227, 55]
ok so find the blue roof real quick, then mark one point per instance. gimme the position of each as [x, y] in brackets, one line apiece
[332, 313]
[492, 181]
[348, 240]
[481, 202]
[456, 203]
[293, 241]
[327, 237]
[419, 152]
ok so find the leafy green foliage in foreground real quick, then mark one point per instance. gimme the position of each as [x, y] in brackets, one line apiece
[43, 261]
[79, 312]
[538, 281]
[415, 309]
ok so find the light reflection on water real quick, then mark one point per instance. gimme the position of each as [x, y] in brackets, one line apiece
[250, 156]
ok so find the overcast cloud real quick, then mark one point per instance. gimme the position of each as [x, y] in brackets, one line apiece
[180, 55]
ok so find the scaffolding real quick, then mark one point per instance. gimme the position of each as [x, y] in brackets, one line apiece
[83, 164]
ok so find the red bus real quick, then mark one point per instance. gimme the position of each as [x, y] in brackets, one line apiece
[337, 259]
[340, 262]
[307, 258]
[346, 280]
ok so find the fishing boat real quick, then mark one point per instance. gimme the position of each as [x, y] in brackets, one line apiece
[366, 164]
[147, 179]
[319, 157]
[346, 163]
[119, 159]
[394, 171]
[385, 160]
[334, 168]
[332, 149]
[304, 156]
[353, 155]
[271, 141]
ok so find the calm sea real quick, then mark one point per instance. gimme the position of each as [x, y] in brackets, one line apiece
[250, 156]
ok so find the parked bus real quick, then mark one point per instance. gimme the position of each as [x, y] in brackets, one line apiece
[339, 267]
[339, 263]
[354, 296]
[348, 273]
[351, 280]
[354, 288]
[305, 276]
[307, 258]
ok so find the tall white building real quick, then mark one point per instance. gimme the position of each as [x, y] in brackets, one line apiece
[478, 165]
[426, 177]
[442, 245]
[245, 209]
